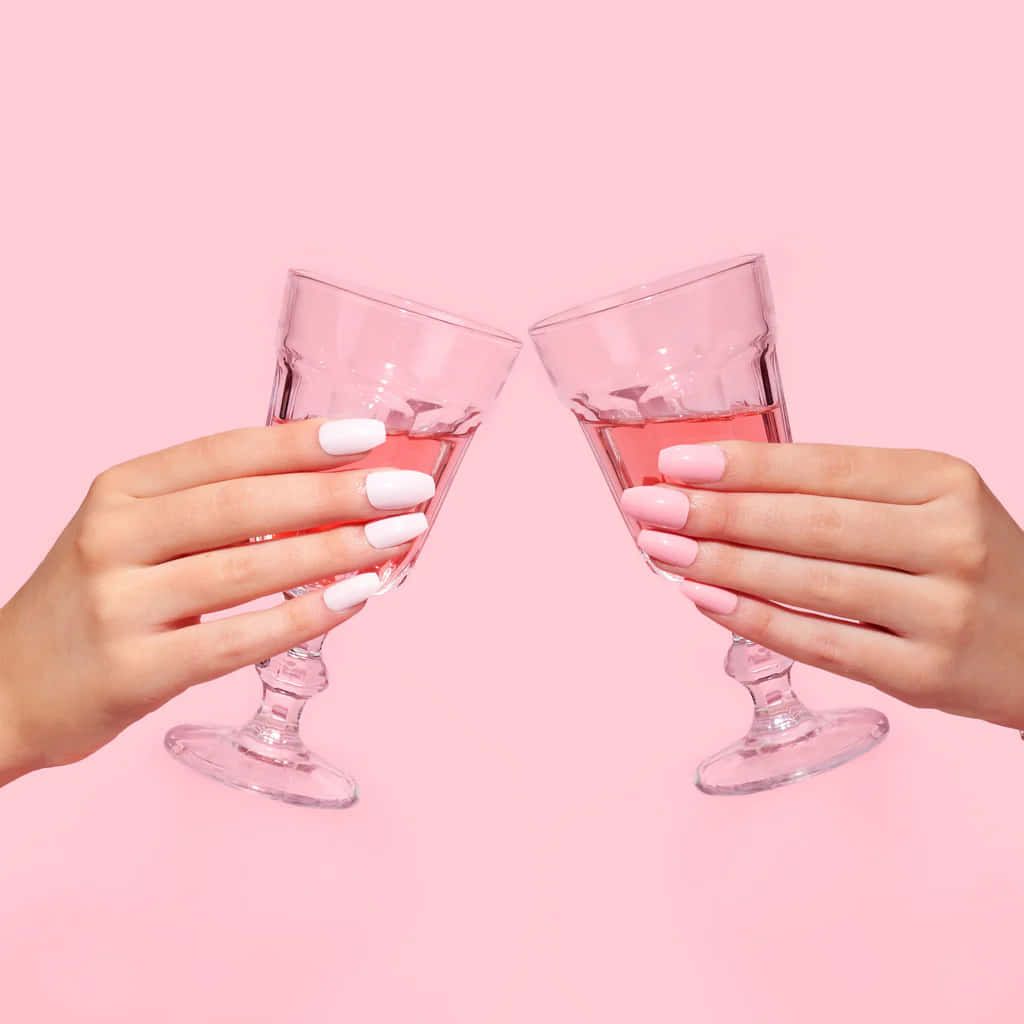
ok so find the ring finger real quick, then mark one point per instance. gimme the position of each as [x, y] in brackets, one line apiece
[882, 597]
[214, 580]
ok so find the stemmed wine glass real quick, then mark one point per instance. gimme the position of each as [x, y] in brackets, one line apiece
[682, 360]
[428, 376]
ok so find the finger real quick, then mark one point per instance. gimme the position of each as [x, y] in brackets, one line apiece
[215, 580]
[895, 475]
[231, 511]
[856, 651]
[840, 529]
[209, 649]
[251, 451]
[897, 601]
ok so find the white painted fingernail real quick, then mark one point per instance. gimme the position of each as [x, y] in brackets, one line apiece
[349, 437]
[355, 590]
[398, 488]
[395, 530]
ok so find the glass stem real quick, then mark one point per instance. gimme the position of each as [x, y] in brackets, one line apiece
[289, 680]
[765, 674]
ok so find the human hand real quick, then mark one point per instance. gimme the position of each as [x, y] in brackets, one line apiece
[109, 626]
[911, 545]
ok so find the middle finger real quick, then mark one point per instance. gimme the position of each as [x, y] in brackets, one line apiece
[231, 511]
[898, 601]
[214, 580]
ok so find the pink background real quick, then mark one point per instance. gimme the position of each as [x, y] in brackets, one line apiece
[529, 845]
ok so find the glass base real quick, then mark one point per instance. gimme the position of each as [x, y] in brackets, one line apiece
[767, 758]
[244, 759]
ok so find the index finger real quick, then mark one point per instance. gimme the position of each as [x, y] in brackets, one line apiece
[897, 476]
[250, 451]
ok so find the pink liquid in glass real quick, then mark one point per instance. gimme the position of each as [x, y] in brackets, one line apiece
[436, 454]
[628, 452]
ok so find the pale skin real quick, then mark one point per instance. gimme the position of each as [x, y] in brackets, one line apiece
[910, 545]
[110, 626]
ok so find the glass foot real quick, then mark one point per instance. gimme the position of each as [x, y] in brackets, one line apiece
[248, 759]
[809, 745]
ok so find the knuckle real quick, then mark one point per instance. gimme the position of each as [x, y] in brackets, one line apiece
[824, 525]
[838, 466]
[106, 603]
[963, 479]
[327, 490]
[822, 585]
[236, 566]
[827, 651]
[717, 560]
[91, 539]
[103, 485]
[208, 449]
[293, 441]
[231, 500]
[336, 547]
[233, 646]
[760, 621]
[967, 550]
[298, 621]
[720, 513]
[960, 616]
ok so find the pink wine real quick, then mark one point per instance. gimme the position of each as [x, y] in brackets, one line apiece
[628, 452]
[436, 454]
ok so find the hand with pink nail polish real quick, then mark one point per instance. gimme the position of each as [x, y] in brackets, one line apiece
[110, 625]
[780, 542]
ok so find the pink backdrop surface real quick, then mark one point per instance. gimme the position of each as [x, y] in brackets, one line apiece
[529, 845]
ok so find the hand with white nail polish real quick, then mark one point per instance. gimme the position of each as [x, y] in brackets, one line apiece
[110, 625]
[782, 542]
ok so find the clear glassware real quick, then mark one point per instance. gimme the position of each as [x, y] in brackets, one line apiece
[429, 376]
[682, 360]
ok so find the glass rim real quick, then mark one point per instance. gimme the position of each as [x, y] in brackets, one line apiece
[404, 305]
[646, 290]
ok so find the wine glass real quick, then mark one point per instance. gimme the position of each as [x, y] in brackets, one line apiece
[428, 376]
[682, 360]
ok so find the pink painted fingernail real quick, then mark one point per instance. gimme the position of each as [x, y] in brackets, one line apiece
[667, 547]
[659, 506]
[692, 463]
[712, 599]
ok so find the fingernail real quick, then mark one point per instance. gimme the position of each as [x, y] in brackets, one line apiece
[659, 506]
[395, 530]
[712, 599]
[348, 437]
[692, 463]
[398, 488]
[667, 547]
[348, 593]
